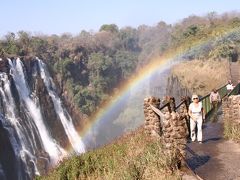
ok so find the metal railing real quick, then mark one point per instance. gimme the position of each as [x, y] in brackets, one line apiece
[236, 90]
[206, 99]
[172, 107]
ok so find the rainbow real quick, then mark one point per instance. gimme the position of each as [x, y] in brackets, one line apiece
[155, 65]
[124, 89]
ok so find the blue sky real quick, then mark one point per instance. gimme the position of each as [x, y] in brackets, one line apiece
[59, 16]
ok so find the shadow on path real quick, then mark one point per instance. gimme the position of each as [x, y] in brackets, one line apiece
[196, 161]
[216, 158]
[212, 139]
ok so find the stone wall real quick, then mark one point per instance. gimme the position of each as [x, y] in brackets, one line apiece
[171, 126]
[152, 120]
[176, 89]
[231, 108]
[175, 130]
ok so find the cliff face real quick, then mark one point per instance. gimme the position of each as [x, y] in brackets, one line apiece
[79, 119]
[8, 159]
[176, 89]
[49, 115]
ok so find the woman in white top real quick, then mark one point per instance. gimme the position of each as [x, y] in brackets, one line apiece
[197, 117]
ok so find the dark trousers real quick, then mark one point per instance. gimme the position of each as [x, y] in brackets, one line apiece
[215, 108]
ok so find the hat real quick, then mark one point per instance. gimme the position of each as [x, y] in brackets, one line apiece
[194, 96]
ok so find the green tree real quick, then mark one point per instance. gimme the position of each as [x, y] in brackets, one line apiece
[113, 28]
[127, 62]
[24, 40]
[11, 46]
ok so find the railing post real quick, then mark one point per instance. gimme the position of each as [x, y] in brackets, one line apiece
[172, 104]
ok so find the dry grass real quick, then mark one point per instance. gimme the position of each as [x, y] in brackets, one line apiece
[232, 131]
[201, 76]
[133, 156]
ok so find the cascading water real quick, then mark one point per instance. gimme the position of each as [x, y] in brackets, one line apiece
[65, 118]
[51, 147]
[16, 147]
[30, 143]
[2, 175]
[24, 146]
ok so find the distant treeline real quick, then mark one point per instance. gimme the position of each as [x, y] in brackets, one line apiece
[91, 65]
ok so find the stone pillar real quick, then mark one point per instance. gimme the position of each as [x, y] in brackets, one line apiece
[231, 108]
[183, 112]
[175, 133]
[152, 120]
[172, 126]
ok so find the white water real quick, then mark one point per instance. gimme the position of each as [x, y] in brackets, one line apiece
[66, 120]
[2, 175]
[13, 141]
[51, 147]
[12, 117]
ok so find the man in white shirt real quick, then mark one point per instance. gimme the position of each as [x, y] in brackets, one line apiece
[229, 86]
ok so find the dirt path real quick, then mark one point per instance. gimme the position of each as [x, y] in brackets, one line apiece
[216, 158]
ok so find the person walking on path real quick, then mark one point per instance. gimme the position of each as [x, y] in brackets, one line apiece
[197, 116]
[214, 100]
[229, 86]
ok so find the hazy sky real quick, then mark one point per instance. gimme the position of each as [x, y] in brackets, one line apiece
[59, 16]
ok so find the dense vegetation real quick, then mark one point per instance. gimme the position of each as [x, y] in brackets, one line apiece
[92, 64]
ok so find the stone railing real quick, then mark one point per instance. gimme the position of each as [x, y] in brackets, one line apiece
[152, 120]
[231, 108]
[170, 123]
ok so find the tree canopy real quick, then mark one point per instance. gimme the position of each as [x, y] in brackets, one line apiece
[92, 64]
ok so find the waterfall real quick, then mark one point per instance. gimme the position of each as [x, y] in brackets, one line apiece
[50, 146]
[65, 118]
[24, 147]
[2, 175]
[35, 127]
[14, 143]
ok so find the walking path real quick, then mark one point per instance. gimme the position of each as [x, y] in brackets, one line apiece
[235, 72]
[216, 158]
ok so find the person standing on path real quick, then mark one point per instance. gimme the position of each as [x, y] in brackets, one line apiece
[229, 86]
[197, 116]
[214, 100]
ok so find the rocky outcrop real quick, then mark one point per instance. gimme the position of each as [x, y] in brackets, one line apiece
[4, 65]
[49, 114]
[176, 89]
[152, 120]
[79, 119]
[231, 109]
[8, 159]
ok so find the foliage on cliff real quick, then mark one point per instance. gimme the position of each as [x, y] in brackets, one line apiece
[133, 156]
[89, 66]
